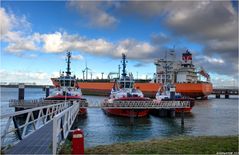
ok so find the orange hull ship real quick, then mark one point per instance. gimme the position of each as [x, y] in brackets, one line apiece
[194, 90]
[104, 88]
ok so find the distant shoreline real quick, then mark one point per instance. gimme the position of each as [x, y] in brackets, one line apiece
[26, 86]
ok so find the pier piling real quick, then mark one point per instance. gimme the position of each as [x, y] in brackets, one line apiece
[21, 91]
[47, 91]
[217, 95]
[182, 117]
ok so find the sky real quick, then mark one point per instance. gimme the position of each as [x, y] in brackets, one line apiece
[36, 35]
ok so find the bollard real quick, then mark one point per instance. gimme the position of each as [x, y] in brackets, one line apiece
[78, 142]
[47, 91]
[21, 89]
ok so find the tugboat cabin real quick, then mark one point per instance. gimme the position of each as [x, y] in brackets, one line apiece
[67, 81]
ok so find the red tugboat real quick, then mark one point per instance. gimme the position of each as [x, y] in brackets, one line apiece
[123, 90]
[164, 95]
[66, 87]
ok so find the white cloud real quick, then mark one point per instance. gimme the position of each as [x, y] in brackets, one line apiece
[23, 76]
[213, 60]
[6, 21]
[94, 13]
[77, 57]
[19, 41]
[14, 30]
[60, 42]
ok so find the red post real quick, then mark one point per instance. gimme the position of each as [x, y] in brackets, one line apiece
[78, 142]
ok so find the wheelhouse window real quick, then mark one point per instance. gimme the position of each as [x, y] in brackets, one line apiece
[126, 84]
[67, 83]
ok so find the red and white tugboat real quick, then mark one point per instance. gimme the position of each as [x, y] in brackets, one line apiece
[164, 95]
[66, 87]
[123, 90]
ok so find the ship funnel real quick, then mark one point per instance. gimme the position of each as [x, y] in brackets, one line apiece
[187, 58]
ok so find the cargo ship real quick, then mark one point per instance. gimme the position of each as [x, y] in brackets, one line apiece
[183, 74]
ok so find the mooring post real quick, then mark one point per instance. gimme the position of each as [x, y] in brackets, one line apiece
[47, 91]
[172, 113]
[182, 117]
[226, 94]
[21, 91]
[217, 95]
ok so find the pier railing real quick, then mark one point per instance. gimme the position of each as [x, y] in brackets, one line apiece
[151, 104]
[106, 104]
[62, 123]
[26, 104]
[31, 120]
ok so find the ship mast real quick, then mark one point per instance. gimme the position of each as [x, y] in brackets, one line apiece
[68, 69]
[124, 65]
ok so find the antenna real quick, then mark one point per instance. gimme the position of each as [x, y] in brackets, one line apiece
[68, 69]
[124, 65]
[119, 71]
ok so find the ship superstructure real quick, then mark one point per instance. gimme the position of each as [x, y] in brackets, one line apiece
[183, 75]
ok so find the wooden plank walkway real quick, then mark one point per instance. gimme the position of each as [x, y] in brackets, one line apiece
[39, 142]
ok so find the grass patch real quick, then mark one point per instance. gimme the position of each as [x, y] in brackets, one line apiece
[178, 145]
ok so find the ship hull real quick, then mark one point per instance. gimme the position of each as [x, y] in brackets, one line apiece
[127, 112]
[194, 90]
[82, 111]
[104, 88]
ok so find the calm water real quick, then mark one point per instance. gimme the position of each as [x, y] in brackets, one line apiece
[209, 117]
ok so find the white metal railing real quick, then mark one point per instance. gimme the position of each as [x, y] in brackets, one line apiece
[32, 103]
[35, 117]
[151, 104]
[62, 123]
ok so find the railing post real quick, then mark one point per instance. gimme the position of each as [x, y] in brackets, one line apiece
[54, 136]
[17, 129]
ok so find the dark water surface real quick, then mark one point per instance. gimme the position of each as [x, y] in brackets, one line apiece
[209, 117]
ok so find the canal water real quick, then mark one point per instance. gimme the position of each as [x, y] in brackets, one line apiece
[209, 117]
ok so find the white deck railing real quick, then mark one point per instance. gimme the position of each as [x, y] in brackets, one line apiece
[62, 123]
[151, 104]
[36, 118]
